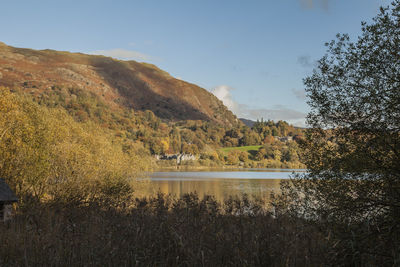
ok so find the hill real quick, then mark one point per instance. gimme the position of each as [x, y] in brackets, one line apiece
[248, 123]
[141, 106]
[117, 83]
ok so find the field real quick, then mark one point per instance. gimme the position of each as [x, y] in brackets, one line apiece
[248, 149]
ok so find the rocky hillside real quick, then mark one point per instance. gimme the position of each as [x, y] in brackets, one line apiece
[140, 86]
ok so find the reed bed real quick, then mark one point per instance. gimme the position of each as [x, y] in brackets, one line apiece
[161, 231]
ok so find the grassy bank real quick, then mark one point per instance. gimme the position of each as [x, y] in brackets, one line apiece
[248, 149]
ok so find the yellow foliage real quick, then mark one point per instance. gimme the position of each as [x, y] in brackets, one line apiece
[164, 144]
[44, 152]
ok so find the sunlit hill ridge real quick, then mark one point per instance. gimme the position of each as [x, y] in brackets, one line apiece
[140, 86]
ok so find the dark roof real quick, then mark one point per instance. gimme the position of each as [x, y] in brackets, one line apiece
[6, 194]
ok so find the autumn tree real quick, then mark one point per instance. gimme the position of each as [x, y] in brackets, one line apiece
[244, 156]
[233, 157]
[352, 150]
[46, 154]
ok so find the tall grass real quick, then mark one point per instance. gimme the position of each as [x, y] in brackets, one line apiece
[168, 231]
[160, 231]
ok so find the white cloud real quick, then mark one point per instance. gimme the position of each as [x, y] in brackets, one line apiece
[222, 92]
[122, 54]
[275, 113]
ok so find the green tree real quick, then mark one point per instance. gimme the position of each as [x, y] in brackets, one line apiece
[274, 131]
[290, 153]
[352, 150]
[250, 138]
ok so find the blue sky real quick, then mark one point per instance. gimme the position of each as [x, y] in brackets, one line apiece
[251, 54]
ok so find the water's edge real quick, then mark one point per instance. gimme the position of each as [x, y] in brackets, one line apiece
[221, 184]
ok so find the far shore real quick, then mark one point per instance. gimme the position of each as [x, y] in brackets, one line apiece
[217, 168]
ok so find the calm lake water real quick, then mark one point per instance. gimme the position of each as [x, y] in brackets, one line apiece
[221, 184]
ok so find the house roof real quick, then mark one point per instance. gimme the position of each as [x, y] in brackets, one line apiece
[6, 194]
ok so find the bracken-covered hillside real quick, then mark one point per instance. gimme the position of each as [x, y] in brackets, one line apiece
[117, 83]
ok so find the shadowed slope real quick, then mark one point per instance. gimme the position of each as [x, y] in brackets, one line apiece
[119, 83]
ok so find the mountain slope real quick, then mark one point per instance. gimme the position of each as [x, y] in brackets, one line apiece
[140, 86]
[248, 123]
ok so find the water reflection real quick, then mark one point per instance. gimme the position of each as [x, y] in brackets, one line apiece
[221, 184]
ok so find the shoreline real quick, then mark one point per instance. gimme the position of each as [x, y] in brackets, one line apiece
[219, 168]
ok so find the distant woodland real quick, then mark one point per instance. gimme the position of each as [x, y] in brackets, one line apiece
[200, 138]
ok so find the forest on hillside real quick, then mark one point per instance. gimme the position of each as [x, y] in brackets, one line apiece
[68, 138]
[203, 139]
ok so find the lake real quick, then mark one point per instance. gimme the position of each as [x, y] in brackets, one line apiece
[219, 183]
